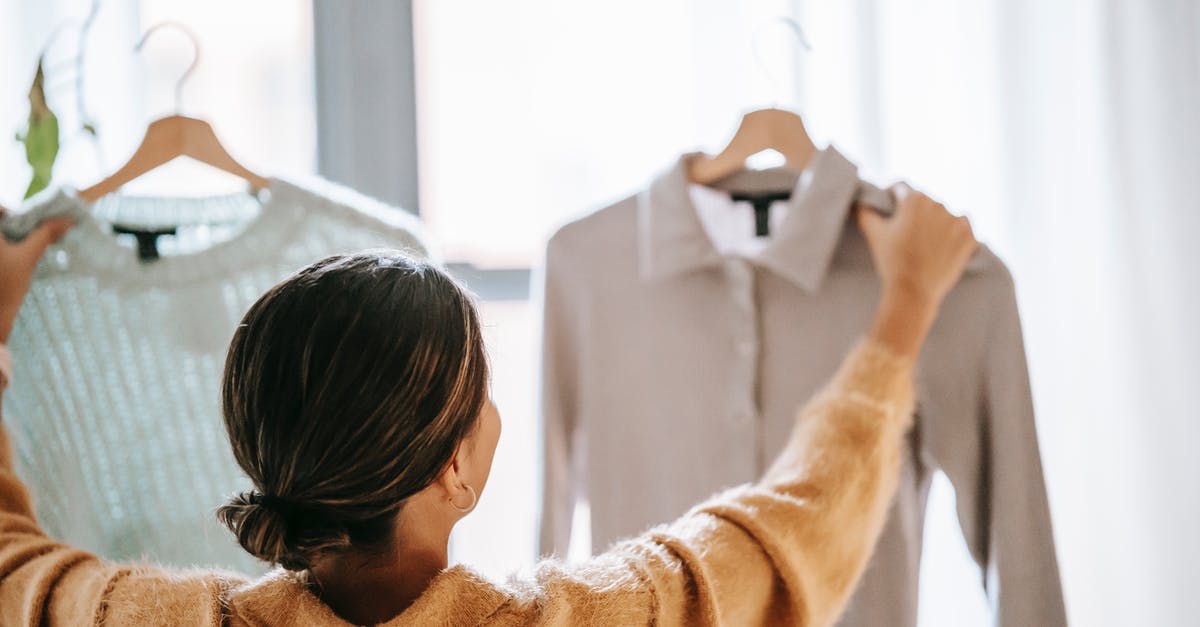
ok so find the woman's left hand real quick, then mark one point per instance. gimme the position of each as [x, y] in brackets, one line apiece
[17, 261]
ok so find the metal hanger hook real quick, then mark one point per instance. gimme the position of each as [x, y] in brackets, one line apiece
[190, 68]
[795, 29]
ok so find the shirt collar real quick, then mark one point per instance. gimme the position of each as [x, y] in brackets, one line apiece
[672, 240]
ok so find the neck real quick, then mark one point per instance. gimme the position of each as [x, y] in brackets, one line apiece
[374, 588]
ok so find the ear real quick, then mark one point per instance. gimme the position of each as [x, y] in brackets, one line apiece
[452, 477]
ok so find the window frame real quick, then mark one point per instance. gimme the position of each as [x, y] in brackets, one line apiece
[367, 118]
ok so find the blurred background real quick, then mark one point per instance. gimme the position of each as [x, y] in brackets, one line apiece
[1068, 131]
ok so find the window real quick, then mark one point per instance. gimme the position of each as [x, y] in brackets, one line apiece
[253, 81]
[535, 111]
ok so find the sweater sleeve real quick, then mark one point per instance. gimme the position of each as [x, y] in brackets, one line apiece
[32, 566]
[786, 550]
[45, 582]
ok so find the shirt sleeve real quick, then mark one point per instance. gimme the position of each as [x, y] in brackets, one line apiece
[559, 433]
[1003, 508]
[786, 550]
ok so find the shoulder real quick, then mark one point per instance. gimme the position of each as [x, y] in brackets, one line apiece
[982, 304]
[151, 595]
[613, 588]
[596, 233]
[401, 228]
[988, 269]
[986, 285]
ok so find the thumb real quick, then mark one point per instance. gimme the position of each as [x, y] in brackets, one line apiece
[900, 191]
[44, 235]
[870, 222]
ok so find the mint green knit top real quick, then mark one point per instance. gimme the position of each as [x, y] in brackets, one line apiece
[115, 409]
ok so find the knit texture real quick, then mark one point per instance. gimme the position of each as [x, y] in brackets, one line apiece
[785, 551]
[116, 423]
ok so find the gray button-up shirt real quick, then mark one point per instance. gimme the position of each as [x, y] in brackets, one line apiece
[670, 372]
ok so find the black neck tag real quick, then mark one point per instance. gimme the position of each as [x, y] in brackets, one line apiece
[762, 208]
[147, 239]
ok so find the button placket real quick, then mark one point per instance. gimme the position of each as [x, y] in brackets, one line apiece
[743, 404]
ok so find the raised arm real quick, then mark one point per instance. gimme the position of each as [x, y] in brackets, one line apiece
[46, 582]
[30, 562]
[790, 548]
[17, 261]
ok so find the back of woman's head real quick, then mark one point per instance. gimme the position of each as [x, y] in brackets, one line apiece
[347, 389]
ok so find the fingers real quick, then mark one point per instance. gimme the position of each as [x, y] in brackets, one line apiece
[964, 223]
[972, 243]
[966, 226]
[913, 205]
[900, 191]
[869, 221]
[44, 235]
[967, 244]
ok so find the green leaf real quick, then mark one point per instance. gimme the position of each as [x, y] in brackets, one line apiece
[41, 136]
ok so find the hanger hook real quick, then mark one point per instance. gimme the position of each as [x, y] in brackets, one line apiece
[84, 25]
[190, 68]
[796, 29]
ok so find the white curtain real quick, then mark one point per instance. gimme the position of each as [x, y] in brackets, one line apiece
[1070, 132]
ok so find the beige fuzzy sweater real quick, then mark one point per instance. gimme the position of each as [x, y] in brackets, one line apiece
[785, 551]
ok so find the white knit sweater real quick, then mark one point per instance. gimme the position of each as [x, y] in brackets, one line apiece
[116, 422]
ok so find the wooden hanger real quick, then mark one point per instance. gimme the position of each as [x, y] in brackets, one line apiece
[166, 140]
[172, 137]
[764, 129]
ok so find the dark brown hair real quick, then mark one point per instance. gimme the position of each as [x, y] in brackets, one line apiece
[347, 389]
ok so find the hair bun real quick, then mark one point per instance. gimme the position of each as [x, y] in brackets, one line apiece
[261, 527]
[283, 507]
[279, 531]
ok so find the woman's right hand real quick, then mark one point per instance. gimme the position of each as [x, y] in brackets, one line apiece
[17, 261]
[919, 253]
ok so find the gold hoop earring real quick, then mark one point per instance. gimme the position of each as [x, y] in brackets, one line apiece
[468, 509]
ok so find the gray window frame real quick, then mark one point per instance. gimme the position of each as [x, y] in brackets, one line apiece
[367, 116]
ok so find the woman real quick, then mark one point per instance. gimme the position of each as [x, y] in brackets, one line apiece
[355, 398]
